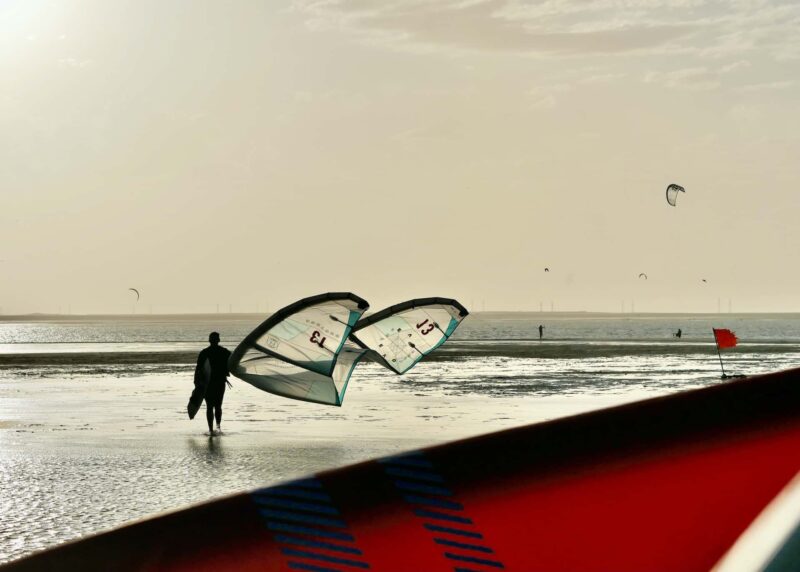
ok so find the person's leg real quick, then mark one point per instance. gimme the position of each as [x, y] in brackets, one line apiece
[210, 416]
[219, 409]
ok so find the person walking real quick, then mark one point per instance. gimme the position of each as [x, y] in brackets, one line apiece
[212, 368]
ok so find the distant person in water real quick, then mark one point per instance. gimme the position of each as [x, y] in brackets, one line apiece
[217, 357]
[541, 331]
[678, 333]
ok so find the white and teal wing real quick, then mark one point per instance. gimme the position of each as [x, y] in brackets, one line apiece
[288, 380]
[301, 352]
[403, 334]
[308, 350]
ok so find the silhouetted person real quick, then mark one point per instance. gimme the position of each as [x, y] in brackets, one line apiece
[217, 357]
[678, 333]
[541, 331]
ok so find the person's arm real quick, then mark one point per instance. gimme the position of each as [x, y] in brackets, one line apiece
[228, 369]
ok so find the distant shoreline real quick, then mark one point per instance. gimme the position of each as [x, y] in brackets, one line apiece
[516, 314]
[455, 351]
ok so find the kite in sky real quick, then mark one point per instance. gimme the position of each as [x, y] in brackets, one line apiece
[672, 193]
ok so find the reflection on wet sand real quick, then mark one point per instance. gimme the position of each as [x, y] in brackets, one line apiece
[208, 449]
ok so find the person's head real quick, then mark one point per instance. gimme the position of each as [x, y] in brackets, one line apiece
[213, 338]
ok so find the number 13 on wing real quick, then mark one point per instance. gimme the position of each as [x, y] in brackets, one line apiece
[425, 329]
[318, 339]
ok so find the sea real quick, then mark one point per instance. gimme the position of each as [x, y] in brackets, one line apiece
[497, 353]
[94, 432]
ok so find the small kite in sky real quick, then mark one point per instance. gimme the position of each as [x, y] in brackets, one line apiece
[672, 193]
[136, 292]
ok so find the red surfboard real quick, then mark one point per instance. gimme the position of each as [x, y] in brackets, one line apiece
[662, 484]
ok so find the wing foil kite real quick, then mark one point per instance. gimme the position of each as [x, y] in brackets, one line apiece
[672, 193]
[301, 351]
[401, 335]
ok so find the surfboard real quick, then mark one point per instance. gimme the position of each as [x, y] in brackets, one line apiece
[202, 377]
[662, 484]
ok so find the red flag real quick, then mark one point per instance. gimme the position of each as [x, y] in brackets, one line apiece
[725, 338]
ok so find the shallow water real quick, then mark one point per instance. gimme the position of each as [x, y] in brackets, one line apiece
[82, 454]
[49, 497]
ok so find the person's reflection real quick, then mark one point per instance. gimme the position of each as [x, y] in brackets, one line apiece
[208, 449]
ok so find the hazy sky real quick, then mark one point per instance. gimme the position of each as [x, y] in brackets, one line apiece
[252, 153]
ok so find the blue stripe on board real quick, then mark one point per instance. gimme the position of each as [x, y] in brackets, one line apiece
[304, 518]
[306, 483]
[457, 531]
[278, 502]
[424, 513]
[464, 570]
[324, 558]
[463, 545]
[304, 494]
[428, 501]
[284, 527]
[421, 488]
[302, 483]
[412, 474]
[474, 560]
[408, 461]
[317, 544]
[311, 567]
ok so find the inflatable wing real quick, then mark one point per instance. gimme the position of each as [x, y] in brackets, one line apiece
[300, 351]
[401, 335]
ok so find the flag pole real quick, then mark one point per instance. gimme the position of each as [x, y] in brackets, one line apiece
[716, 343]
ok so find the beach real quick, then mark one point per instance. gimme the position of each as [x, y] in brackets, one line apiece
[95, 434]
[435, 171]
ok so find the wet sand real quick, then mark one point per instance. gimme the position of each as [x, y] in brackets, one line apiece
[81, 454]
